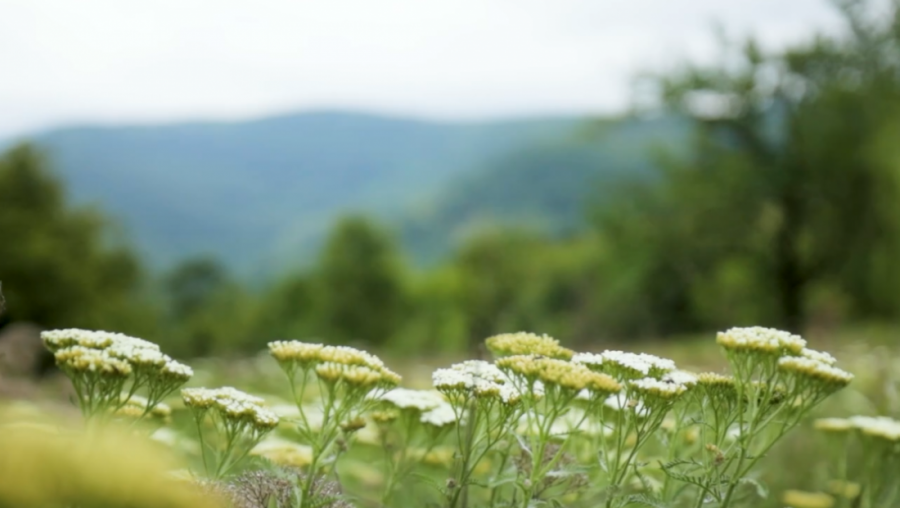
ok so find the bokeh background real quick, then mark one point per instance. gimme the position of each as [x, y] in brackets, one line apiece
[413, 177]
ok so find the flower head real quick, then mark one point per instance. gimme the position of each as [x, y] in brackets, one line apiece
[333, 363]
[650, 389]
[801, 499]
[833, 425]
[624, 365]
[476, 378]
[680, 377]
[550, 372]
[55, 340]
[232, 405]
[94, 361]
[523, 343]
[439, 415]
[417, 400]
[760, 340]
[880, 427]
[293, 351]
[823, 374]
[176, 371]
[819, 356]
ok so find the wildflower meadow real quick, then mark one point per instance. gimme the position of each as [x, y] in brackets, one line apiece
[539, 425]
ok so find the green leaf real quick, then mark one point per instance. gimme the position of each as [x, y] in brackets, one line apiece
[645, 500]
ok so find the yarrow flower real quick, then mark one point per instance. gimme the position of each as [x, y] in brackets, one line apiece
[239, 420]
[826, 375]
[801, 499]
[833, 425]
[333, 363]
[819, 356]
[231, 405]
[465, 375]
[55, 340]
[880, 427]
[680, 377]
[624, 365]
[761, 340]
[439, 416]
[293, 351]
[558, 373]
[79, 359]
[523, 343]
[418, 400]
[101, 363]
[650, 388]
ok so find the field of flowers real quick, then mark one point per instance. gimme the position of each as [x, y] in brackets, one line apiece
[752, 417]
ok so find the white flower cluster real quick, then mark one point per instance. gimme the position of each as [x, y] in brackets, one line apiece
[419, 400]
[231, 404]
[439, 416]
[819, 356]
[588, 359]
[79, 359]
[877, 426]
[55, 340]
[656, 388]
[881, 427]
[478, 378]
[109, 352]
[523, 343]
[761, 340]
[467, 375]
[311, 354]
[680, 377]
[333, 363]
[814, 369]
[635, 363]
[834, 424]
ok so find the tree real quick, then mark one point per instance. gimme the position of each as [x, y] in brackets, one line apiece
[56, 261]
[209, 312]
[786, 178]
[360, 293]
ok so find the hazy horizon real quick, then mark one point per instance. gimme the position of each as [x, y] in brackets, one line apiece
[105, 62]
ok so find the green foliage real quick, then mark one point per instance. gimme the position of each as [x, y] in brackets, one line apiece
[57, 263]
[208, 312]
[359, 286]
[788, 188]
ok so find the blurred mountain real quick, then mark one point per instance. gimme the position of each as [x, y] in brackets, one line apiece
[260, 195]
[546, 186]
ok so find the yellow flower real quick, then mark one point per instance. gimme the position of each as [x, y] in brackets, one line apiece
[283, 452]
[522, 343]
[847, 490]
[801, 499]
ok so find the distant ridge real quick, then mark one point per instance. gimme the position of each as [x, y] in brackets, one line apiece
[261, 194]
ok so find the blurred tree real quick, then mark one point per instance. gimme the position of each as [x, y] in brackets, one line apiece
[56, 263]
[191, 285]
[208, 311]
[286, 310]
[785, 190]
[359, 286]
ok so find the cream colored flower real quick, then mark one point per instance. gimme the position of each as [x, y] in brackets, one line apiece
[523, 343]
[761, 340]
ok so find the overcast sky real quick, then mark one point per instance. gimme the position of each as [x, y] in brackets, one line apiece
[130, 61]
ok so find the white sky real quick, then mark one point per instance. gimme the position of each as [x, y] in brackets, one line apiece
[117, 61]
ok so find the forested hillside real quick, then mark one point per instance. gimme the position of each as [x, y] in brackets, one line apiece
[262, 194]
